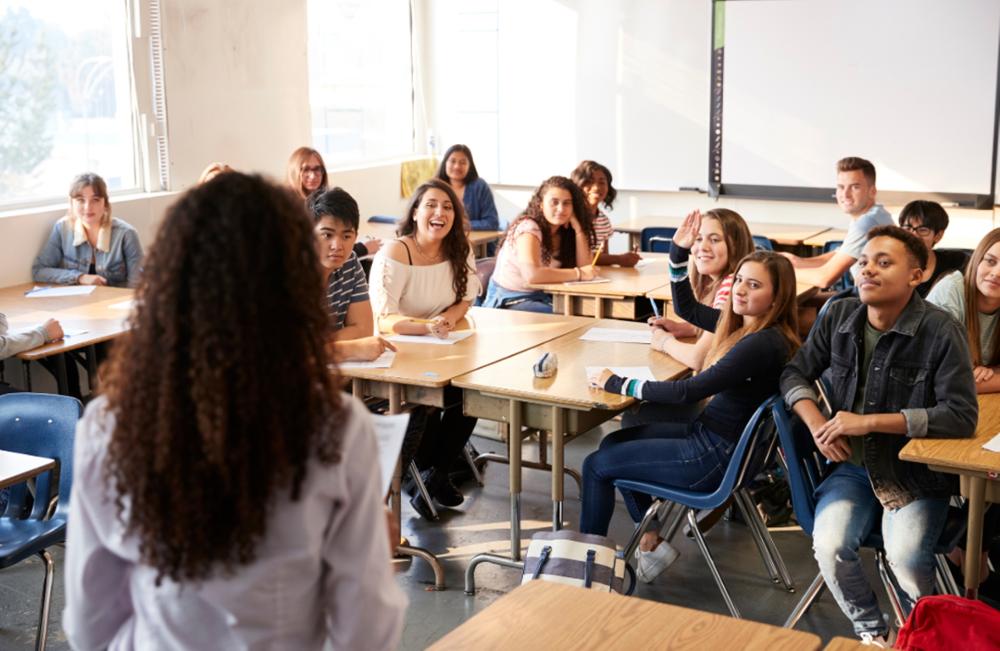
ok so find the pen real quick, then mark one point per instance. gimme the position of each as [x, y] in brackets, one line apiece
[656, 310]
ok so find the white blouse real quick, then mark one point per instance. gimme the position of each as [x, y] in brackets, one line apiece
[421, 292]
[322, 570]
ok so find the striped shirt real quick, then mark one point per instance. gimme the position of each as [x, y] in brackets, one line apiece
[722, 293]
[602, 229]
[346, 285]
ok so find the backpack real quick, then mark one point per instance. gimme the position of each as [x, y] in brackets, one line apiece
[947, 622]
[573, 558]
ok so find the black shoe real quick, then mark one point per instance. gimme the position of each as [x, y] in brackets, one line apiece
[442, 490]
[420, 506]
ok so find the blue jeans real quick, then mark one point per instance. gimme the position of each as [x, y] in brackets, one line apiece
[681, 455]
[507, 299]
[847, 512]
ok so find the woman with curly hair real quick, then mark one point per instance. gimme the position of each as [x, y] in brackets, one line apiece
[595, 181]
[551, 242]
[226, 494]
[423, 284]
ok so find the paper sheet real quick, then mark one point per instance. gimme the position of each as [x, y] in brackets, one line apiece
[993, 445]
[53, 292]
[384, 360]
[453, 338]
[67, 331]
[595, 281]
[645, 262]
[621, 335]
[632, 372]
[389, 431]
[123, 305]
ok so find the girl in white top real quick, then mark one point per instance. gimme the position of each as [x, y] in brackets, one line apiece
[226, 493]
[974, 299]
[423, 284]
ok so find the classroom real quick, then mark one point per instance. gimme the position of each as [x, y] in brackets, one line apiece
[450, 324]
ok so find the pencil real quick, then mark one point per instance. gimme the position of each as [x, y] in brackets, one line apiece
[596, 256]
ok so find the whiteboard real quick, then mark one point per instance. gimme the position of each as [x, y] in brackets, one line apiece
[909, 84]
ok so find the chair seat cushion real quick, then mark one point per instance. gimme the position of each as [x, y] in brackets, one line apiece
[20, 539]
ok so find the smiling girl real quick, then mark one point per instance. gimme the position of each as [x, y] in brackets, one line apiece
[974, 299]
[459, 170]
[753, 339]
[595, 181]
[550, 243]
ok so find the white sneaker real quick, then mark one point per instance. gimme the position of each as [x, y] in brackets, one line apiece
[877, 641]
[649, 565]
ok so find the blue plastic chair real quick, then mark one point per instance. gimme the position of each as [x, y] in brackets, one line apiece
[755, 446]
[42, 425]
[806, 469]
[762, 243]
[846, 280]
[656, 239]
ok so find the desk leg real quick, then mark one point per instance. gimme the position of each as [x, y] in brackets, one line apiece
[27, 374]
[974, 539]
[568, 304]
[61, 381]
[598, 307]
[558, 438]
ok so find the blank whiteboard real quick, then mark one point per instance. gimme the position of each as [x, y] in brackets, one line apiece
[909, 84]
[622, 83]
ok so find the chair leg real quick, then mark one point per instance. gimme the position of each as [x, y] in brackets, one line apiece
[700, 539]
[467, 452]
[675, 524]
[765, 537]
[811, 594]
[422, 488]
[43, 617]
[945, 577]
[633, 542]
[750, 516]
[890, 586]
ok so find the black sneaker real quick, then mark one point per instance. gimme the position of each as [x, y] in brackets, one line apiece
[442, 490]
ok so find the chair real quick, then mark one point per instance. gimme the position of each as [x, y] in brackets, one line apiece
[806, 469]
[43, 425]
[846, 280]
[762, 243]
[382, 219]
[484, 271]
[750, 455]
[656, 239]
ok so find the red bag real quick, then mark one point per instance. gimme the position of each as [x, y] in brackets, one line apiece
[950, 623]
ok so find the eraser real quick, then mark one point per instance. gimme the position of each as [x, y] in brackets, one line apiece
[546, 365]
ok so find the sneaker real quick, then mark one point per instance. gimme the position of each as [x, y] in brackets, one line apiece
[442, 490]
[649, 565]
[421, 507]
[885, 641]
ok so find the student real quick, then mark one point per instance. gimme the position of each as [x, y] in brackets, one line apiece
[226, 494]
[459, 170]
[856, 197]
[595, 181]
[719, 239]
[754, 338]
[423, 284]
[212, 171]
[12, 344]
[88, 246]
[305, 174]
[896, 368]
[974, 299]
[335, 227]
[928, 221]
[551, 242]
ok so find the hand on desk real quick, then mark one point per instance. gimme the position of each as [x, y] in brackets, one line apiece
[53, 331]
[91, 279]
[982, 373]
[440, 326]
[598, 380]
[660, 339]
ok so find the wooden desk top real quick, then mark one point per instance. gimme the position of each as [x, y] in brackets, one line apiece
[962, 454]
[790, 234]
[568, 387]
[388, 232]
[845, 644]
[16, 467]
[625, 281]
[545, 615]
[92, 312]
[825, 236]
[499, 334]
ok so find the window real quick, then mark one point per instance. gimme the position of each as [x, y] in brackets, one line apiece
[67, 104]
[360, 83]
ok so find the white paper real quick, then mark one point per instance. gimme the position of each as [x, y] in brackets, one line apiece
[123, 305]
[620, 335]
[595, 281]
[993, 445]
[389, 432]
[645, 262]
[53, 292]
[67, 332]
[631, 372]
[453, 338]
[384, 360]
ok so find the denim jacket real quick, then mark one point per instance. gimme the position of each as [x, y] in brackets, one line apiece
[118, 257]
[921, 368]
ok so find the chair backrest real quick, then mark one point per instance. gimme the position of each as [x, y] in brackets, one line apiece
[662, 235]
[805, 465]
[846, 279]
[382, 219]
[762, 243]
[484, 270]
[43, 425]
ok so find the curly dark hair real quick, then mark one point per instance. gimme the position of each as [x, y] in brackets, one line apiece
[567, 243]
[470, 176]
[584, 175]
[456, 243]
[221, 389]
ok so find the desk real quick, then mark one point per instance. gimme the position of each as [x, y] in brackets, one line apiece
[16, 467]
[387, 232]
[91, 312]
[422, 372]
[822, 238]
[785, 234]
[977, 469]
[845, 644]
[622, 298]
[564, 405]
[546, 615]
